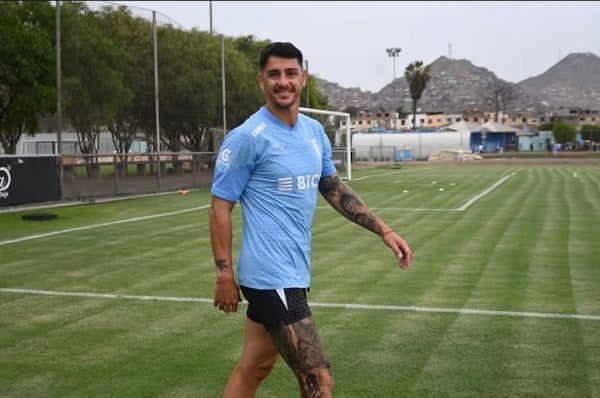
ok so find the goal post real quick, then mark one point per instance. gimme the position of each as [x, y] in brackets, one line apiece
[344, 124]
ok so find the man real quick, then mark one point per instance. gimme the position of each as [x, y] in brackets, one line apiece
[273, 164]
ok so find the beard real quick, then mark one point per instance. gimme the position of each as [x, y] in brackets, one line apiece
[284, 99]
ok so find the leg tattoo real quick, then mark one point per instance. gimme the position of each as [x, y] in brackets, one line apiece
[300, 346]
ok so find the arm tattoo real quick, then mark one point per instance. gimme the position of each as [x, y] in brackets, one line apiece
[222, 264]
[347, 202]
[329, 185]
[300, 347]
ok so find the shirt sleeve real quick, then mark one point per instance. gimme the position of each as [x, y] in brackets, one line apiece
[328, 167]
[234, 166]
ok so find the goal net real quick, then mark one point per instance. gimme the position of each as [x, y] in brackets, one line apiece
[337, 127]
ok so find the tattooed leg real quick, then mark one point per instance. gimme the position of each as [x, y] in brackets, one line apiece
[300, 347]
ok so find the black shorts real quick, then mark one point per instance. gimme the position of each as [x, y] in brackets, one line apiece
[268, 308]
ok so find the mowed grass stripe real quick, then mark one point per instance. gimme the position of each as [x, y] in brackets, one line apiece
[388, 349]
[411, 188]
[583, 246]
[428, 236]
[469, 358]
[453, 337]
[583, 193]
[513, 276]
[397, 342]
[503, 279]
[533, 283]
[457, 283]
[448, 374]
[111, 257]
[121, 348]
[549, 287]
[93, 226]
[469, 243]
[549, 361]
[490, 358]
[80, 215]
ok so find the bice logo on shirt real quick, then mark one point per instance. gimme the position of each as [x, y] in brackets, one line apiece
[303, 182]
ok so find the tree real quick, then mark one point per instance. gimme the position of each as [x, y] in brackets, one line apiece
[563, 132]
[133, 41]
[494, 97]
[251, 47]
[401, 112]
[590, 132]
[417, 77]
[316, 99]
[26, 68]
[189, 90]
[243, 92]
[352, 110]
[508, 94]
[93, 83]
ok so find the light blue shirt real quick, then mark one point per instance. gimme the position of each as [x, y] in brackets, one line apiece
[274, 171]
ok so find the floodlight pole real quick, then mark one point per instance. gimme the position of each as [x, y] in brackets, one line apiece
[211, 19]
[59, 103]
[394, 52]
[156, 100]
[223, 92]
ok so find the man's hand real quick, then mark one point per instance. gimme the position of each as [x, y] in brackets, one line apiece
[399, 247]
[227, 296]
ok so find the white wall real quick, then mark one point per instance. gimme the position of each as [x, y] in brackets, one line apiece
[421, 145]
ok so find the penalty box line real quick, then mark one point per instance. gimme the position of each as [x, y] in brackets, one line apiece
[462, 311]
[106, 224]
[464, 207]
[143, 218]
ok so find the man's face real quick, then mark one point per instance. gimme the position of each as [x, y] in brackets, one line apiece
[282, 80]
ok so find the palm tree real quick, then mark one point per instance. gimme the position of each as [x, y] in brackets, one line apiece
[417, 77]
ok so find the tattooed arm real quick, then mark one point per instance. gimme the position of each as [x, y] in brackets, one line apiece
[227, 294]
[341, 197]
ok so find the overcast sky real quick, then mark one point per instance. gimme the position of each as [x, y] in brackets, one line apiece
[346, 42]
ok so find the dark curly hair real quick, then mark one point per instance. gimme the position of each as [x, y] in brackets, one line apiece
[279, 49]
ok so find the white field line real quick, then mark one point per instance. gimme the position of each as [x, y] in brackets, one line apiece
[385, 174]
[482, 194]
[373, 175]
[44, 206]
[106, 224]
[462, 311]
[64, 231]
[461, 208]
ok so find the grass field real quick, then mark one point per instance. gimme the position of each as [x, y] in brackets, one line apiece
[502, 300]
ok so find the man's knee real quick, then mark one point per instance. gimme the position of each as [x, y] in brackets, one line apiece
[264, 368]
[258, 371]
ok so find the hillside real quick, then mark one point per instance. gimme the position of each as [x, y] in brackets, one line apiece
[457, 85]
[573, 81]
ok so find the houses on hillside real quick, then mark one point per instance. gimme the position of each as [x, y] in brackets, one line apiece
[387, 120]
